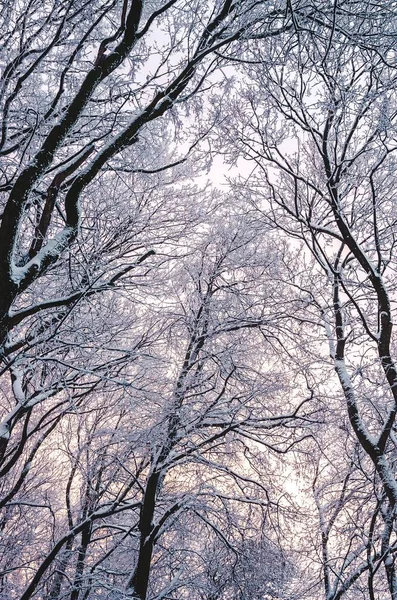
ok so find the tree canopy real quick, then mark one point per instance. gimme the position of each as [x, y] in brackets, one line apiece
[198, 382]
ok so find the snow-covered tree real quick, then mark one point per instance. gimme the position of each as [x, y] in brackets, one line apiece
[321, 133]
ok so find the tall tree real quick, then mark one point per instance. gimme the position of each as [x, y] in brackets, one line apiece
[172, 454]
[81, 85]
[321, 133]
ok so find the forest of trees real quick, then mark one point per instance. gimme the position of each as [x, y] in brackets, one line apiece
[198, 283]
